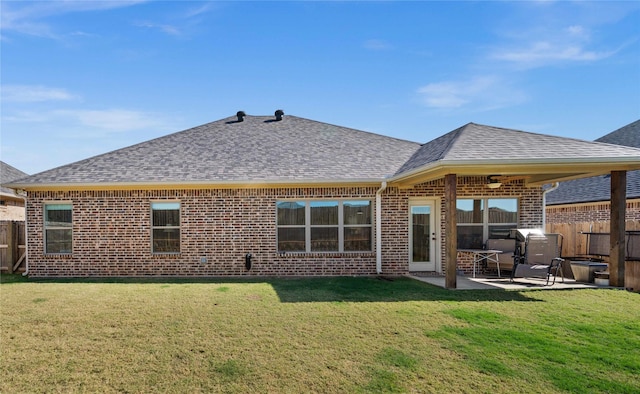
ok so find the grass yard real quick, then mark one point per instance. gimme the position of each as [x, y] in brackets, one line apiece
[352, 335]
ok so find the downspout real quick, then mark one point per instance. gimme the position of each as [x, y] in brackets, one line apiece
[544, 204]
[26, 237]
[383, 186]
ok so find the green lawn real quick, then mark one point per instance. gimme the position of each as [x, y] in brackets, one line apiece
[313, 335]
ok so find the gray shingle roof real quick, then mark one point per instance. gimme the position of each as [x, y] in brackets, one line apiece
[474, 141]
[9, 174]
[298, 150]
[599, 188]
[257, 149]
[628, 135]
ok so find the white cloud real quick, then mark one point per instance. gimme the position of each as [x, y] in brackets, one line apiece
[377, 45]
[481, 93]
[26, 17]
[577, 30]
[168, 29]
[195, 11]
[30, 94]
[542, 53]
[547, 45]
[117, 120]
[94, 121]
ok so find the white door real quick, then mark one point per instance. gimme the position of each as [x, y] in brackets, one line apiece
[422, 236]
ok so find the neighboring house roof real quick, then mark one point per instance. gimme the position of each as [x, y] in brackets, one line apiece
[261, 151]
[599, 188]
[9, 174]
[628, 135]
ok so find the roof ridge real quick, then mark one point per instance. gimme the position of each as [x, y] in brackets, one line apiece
[455, 136]
[216, 152]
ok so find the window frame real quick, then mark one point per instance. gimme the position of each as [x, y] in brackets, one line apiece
[47, 227]
[340, 226]
[172, 227]
[485, 224]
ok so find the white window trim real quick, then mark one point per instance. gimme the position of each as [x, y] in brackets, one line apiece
[45, 227]
[178, 226]
[340, 226]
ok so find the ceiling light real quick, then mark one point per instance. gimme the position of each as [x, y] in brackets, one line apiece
[493, 183]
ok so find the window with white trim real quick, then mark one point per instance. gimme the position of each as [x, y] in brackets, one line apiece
[476, 224]
[58, 228]
[324, 226]
[165, 227]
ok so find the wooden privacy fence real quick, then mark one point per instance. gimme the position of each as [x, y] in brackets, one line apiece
[13, 251]
[575, 241]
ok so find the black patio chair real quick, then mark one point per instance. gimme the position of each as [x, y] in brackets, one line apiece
[540, 259]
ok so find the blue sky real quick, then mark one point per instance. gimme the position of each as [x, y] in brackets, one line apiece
[80, 78]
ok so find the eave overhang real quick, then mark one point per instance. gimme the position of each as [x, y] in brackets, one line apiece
[197, 185]
[535, 172]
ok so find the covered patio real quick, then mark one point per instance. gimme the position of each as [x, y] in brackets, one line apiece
[504, 156]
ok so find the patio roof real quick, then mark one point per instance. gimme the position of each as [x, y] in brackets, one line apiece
[537, 159]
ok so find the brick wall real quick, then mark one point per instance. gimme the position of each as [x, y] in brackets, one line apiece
[112, 231]
[112, 235]
[395, 221]
[589, 212]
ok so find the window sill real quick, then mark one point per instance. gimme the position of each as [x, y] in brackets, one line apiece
[325, 254]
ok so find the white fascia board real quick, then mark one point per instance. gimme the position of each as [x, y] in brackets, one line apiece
[241, 184]
[593, 165]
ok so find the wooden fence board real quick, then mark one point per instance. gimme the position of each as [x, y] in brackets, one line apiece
[575, 242]
[12, 245]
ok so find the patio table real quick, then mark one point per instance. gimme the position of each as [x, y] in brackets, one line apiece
[483, 255]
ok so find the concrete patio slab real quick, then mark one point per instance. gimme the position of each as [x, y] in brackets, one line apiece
[468, 283]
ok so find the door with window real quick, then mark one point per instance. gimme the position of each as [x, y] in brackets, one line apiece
[422, 235]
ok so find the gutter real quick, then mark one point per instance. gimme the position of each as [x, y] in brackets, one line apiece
[177, 184]
[383, 186]
[26, 235]
[544, 204]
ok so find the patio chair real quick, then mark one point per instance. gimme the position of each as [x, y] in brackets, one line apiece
[633, 246]
[541, 258]
[505, 259]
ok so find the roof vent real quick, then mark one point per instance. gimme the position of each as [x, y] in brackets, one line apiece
[241, 116]
[279, 114]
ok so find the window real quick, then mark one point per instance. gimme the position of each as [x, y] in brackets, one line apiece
[58, 232]
[324, 226]
[476, 223]
[165, 227]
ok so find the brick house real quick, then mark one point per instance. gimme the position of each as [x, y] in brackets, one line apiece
[11, 204]
[300, 197]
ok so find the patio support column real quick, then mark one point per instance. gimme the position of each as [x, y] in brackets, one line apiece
[618, 211]
[450, 231]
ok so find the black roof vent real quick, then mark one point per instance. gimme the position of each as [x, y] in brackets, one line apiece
[241, 116]
[279, 114]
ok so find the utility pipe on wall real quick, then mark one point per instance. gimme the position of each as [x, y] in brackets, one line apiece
[544, 204]
[26, 234]
[379, 227]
